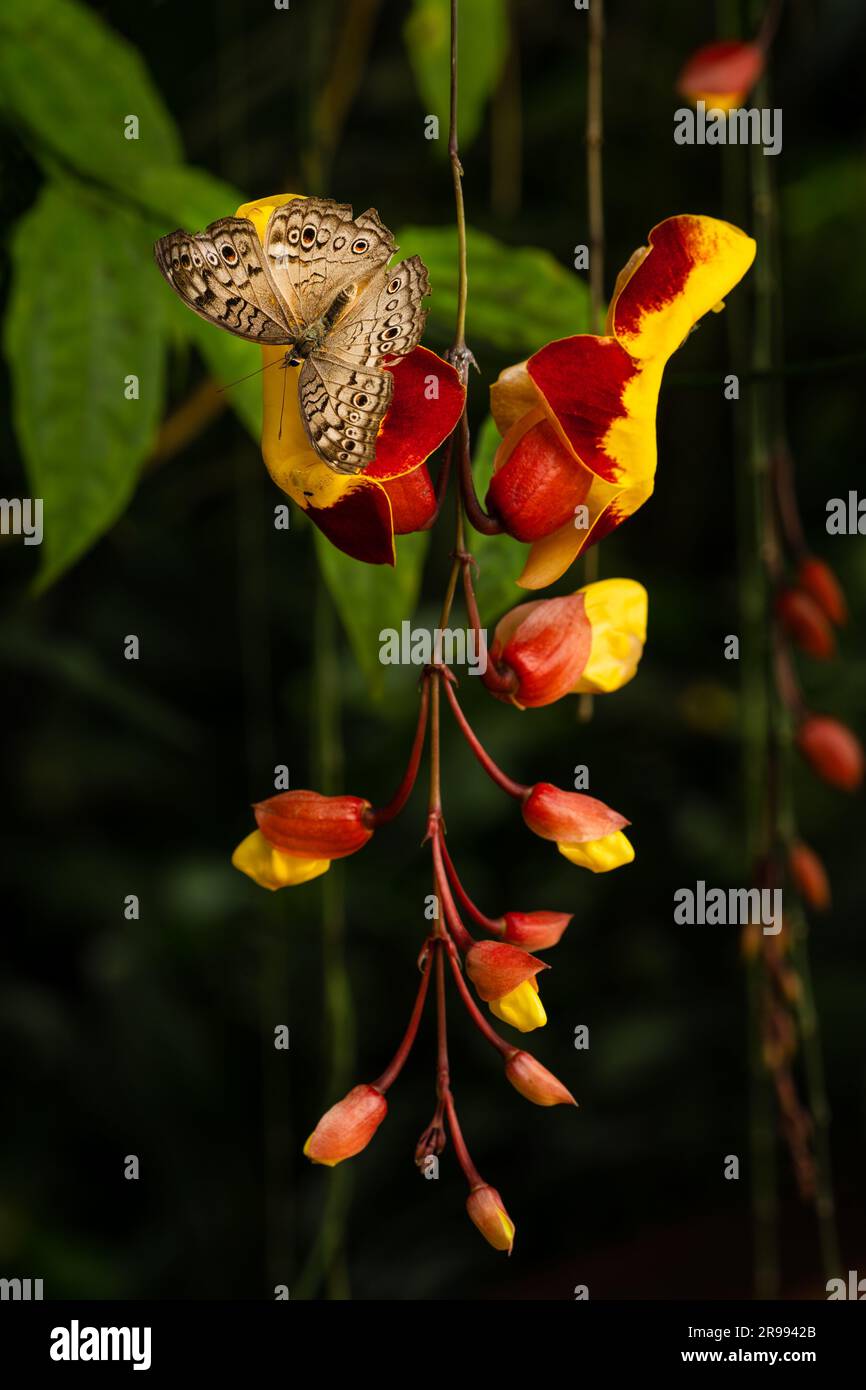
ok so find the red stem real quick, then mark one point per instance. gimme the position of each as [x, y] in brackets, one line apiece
[395, 1066]
[501, 680]
[441, 485]
[472, 1175]
[494, 772]
[478, 517]
[387, 813]
[452, 916]
[486, 923]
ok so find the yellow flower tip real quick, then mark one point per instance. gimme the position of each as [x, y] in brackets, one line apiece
[522, 1008]
[617, 613]
[323, 1162]
[272, 869]
[508, 1229]
[600, 856]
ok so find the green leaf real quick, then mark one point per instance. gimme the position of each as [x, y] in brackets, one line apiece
[70, 81]
[482, 46]
[369, 598]
[500, 559]
[83, 316]
[520, 297]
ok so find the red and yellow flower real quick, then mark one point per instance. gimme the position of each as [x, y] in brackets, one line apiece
[586, 832]
[578, 453]
[299, 834]
[590, 641]
[360, 513]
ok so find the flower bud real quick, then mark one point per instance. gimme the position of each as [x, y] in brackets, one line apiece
[586, 832]
[522, 1008]
[722, 73]
[270, 867]
[487, 1211]
[545, 644]
[347, 1127]
[535, 931]
[809, 876]
[832, 750]
[535, 1082]
[314, 826]
[496, 969]
[819, 580]
[536, 486]
[805, 622]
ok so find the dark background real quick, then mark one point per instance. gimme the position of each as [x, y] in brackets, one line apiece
[155, 1037]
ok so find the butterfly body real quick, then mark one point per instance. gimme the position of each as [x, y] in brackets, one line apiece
[320, 285]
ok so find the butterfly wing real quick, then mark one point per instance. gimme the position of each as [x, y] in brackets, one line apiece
[386, 319]
[316, 251]
[343, 389]
[342, 407]
[222, 275]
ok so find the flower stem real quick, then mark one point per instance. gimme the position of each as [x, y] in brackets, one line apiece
[388, 813]
[398, 1061]
[494, 772]
[452, 916]
[486, 923]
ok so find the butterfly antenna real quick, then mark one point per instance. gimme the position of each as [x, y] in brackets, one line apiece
[282, 404]
[258, 372]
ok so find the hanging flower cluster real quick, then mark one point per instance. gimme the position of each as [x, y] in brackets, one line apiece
[578, 456]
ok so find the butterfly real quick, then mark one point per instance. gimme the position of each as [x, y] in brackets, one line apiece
[320, 284]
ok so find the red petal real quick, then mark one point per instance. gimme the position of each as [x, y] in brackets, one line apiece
[359, 524]
[413, 500]
[537, 489]
[415, 424]
[583, 380]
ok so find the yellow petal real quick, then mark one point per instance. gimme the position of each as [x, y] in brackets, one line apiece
[617, 611]
[522, 1008]
[271, 868]
[260, 210]
[600, 856]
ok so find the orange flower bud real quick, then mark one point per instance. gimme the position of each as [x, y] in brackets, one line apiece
[804, 621]
[819, 580]
[722, 74]
[486, 1209]
[314, 826]
[545, 644]
[535, 931]
[810, 876]
[571, 817]
[496, 969]
[535, 1082]
[347, 1127]
[587, 832]
[832, 750]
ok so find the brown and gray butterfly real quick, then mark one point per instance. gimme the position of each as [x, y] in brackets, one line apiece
[321, 286]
